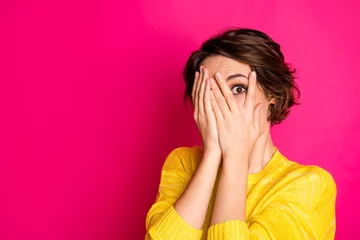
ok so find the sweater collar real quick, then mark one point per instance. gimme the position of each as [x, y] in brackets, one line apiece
[267, 169]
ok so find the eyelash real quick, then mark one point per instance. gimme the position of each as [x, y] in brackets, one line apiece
[241, 86]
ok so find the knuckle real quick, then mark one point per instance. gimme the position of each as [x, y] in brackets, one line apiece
[241, 120]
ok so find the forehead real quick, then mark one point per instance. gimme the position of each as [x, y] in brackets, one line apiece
[226, 66]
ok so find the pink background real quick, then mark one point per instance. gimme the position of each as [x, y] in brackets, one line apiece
[91, 104]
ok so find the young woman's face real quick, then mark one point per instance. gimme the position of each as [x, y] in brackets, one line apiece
[238, 74]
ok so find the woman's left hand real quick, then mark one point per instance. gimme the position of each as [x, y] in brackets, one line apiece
[238, 127]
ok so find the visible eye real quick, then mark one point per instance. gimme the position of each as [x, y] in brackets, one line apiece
[237, 89]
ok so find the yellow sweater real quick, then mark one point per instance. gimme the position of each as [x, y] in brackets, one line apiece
[285, 200]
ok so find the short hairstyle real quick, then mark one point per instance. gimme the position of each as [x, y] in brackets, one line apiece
[262, 54]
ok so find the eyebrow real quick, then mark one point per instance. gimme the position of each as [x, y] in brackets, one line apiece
[235, 76]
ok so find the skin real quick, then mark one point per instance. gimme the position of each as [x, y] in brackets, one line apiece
[226, 67]
[234, 129]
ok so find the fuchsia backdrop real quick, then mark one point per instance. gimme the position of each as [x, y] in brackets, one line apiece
[91, 104]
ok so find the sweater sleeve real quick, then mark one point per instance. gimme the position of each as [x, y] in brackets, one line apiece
[162, 220]
[305, 210]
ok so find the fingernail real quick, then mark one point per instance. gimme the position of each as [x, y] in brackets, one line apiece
[218, 75]
[254, 74]
[212, 81]
[260, 108]
[203, 69]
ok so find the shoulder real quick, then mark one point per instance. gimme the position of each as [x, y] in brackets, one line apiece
[323, 178]
[311, 174]
[310, 180]
[289, 171]
[183, 158]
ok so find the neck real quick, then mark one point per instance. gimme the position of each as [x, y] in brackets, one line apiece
[261, 153]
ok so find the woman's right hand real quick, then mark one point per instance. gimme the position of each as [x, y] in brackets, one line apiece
[204, 115]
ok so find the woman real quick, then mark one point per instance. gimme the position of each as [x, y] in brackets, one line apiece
[238, 185]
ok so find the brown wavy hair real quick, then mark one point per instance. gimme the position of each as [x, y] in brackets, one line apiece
[263, 55]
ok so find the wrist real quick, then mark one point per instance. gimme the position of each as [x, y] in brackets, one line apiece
[212, 155]
[236, 160]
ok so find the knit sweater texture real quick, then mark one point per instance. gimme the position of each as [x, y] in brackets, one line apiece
[285, 200]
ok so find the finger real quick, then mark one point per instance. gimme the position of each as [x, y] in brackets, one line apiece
[221, 102]
[198, 82]
[202, 89]
[256, 115]
[207, 101]
[215, 107]
[227, 93]
[251, 93]
[194, 94]
[193, 91]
